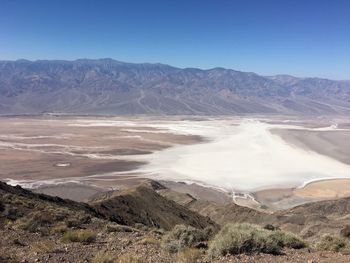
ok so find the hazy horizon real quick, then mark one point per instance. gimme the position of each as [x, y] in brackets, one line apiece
[161, 63]
[266, 37]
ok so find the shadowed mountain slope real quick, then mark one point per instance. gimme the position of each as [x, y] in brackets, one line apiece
[144, 205]
[136, 205]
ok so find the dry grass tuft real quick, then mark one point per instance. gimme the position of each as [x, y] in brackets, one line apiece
[45, 246]
[59, 228]
[84, 236]
[103, 257]
[332, 243]
[149, 241]
[119, 228]
[188, 255]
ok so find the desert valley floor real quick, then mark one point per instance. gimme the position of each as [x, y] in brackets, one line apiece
[263, 162]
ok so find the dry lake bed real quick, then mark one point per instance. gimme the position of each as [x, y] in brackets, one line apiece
[275, 162]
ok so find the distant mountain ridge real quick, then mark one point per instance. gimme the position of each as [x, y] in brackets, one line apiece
[107, 86]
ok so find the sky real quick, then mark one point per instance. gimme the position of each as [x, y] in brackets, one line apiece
[296, 37]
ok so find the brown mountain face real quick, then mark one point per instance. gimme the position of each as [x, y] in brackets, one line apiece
[106, 86]
[136, 205]
[144, 205]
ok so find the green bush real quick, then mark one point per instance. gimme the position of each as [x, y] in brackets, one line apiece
[332, 243]
[246, 238]
[243, 238]
[84, 236]
[182, 236]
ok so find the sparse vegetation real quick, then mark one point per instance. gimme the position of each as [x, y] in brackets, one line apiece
[103, 257]
[126, 244]
[34, 222]
[182, 236]
[59, 228]
[332, 243]
[84, 236]
[149, 241]
[119, 228]
[45, 246]
[129, 258]
[245, 238]
[188, 255]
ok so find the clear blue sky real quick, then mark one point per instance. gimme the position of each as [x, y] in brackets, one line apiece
[298, 37]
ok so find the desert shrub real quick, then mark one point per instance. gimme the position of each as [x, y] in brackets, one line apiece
[286, 239]
[181, 237]
[209, 232]
[35, 222]
[188, 255]
[78, 220]
[45, 246]
[102, 257]
[84, 236]
[149, 241]
[12, 213]
[332, 243]
[243, 238]
[129, 258]
[59, 228]
[119, 228]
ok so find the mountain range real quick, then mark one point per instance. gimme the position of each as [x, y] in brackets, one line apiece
[107, 86]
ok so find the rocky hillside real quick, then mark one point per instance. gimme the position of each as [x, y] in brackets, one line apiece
[310, 221]
[106, 86]
[144, 205]
[126, 227]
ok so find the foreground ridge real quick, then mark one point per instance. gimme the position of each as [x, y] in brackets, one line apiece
[131, 226]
